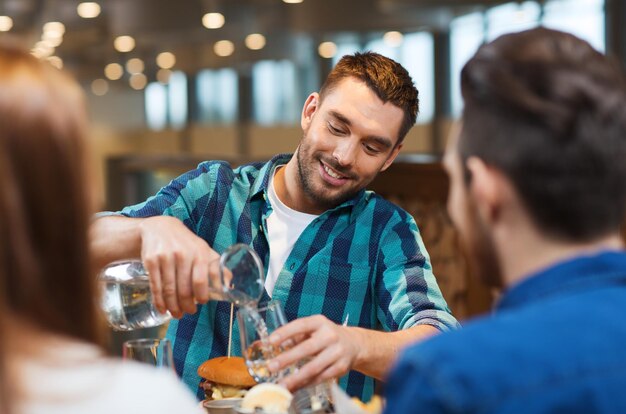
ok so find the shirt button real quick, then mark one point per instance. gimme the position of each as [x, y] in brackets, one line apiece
[261, 228]
[292, 266]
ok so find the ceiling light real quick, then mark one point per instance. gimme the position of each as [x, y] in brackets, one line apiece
[99, 87]
[138, 81]
[52, 41]
[166, 60]
[124, 43]
[135, 65]
[52, 34]
[163, 76]
[113, 71]
[327, 49]
[6, 23]
[255, 41]
[42, 49]
[393, 39]
[88, 9]
[53, 29]
[224, 48]
[292, 1]
[56, 61]
[213, 20]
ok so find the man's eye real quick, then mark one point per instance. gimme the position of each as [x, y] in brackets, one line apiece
[372, 150]
[334, 130]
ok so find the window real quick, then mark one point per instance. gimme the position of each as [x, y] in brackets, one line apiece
[466, 35]
[583, 18]
[274, 93]
[417, 56]
[177, 99]
[156, 106]
[217, 94]
[345, 47]
[512, 17]
[379, 46]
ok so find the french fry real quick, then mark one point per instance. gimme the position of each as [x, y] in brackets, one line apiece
[374, 406]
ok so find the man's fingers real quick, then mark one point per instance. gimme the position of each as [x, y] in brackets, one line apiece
[309, 373]
[296, 329]
[168, 278]
[155, 285]
[214, 279]
[200, 281]
[183, 284]
[303, 350]
[178, 262]
[331, 373]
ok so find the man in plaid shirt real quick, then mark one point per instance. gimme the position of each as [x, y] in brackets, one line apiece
[349, 267]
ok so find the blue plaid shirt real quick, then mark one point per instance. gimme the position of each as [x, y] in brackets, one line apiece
[363, 260]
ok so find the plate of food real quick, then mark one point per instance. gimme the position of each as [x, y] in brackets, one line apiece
[225, 381]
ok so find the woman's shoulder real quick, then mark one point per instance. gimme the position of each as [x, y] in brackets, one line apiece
[77, 377]
[146, 388]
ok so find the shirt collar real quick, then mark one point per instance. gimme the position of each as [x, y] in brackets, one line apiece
[579, 273]
[261, 186]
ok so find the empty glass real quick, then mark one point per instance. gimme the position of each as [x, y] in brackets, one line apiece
[152, 351]
[127, 300]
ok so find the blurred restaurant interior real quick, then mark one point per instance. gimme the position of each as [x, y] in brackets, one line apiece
[170, 84]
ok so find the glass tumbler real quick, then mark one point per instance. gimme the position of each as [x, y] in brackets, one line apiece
[152, 351]
[255, 326]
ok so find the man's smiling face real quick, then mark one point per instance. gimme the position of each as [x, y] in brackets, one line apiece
[349, 137]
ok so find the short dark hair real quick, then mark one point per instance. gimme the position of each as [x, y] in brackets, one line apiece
[550, 112]
[387, 78]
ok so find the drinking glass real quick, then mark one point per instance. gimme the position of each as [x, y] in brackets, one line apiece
[127, 299]
[255, 326]
[242, 280]
[152, 351]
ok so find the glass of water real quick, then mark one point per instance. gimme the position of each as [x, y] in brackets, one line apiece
[255, 326]
[152, 351]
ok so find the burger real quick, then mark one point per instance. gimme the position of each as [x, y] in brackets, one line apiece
[225, 377]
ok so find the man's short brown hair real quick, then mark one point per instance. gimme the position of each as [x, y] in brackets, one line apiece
[389, 80]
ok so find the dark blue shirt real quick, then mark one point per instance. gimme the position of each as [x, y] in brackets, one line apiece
[556, 344]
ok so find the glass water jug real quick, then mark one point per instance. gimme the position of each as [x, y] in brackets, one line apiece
[127, 300]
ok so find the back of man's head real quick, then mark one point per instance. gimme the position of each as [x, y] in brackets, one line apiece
[549, 111]
[389, 80]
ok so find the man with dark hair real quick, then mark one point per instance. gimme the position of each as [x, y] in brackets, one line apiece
[331, 248]
[537, 192]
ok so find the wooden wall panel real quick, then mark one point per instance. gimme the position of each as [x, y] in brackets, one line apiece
[421, 189]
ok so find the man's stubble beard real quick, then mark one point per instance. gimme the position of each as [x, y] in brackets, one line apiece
[480, 249]
[306, 171]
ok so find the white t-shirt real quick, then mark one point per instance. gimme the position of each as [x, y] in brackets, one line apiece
[74, 378]
[284, 227]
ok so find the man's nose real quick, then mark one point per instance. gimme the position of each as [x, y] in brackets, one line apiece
[345, 152]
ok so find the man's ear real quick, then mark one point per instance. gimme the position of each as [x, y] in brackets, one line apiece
[486, 187]
[392, 157]
[310, 107]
